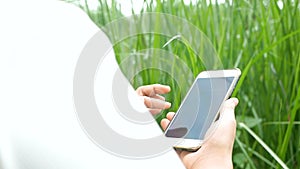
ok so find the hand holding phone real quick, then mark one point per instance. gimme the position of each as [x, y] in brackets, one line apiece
[216, 151]
[201, 107]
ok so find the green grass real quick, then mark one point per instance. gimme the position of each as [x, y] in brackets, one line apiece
[256, 36]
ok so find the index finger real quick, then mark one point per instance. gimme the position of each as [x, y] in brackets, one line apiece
[151, 90]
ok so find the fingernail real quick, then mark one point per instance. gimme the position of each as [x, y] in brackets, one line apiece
[167, 104]
[235, 101]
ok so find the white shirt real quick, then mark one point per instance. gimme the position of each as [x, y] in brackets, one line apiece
[40, 45]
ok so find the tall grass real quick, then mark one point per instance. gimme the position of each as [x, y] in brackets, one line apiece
[260, 37]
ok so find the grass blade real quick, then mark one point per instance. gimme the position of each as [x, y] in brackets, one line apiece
[263, 144]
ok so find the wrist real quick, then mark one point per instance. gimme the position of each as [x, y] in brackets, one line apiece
[214, 158]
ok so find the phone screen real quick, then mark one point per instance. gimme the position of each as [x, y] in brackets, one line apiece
[199, 108]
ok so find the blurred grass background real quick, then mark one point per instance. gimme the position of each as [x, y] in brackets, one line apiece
[262, 38]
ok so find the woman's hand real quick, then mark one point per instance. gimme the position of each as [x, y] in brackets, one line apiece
[216, 151]
[151, 94]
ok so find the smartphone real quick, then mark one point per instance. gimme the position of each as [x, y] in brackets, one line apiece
[201, 106]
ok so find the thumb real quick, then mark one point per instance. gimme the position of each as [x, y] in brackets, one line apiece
[227, 111]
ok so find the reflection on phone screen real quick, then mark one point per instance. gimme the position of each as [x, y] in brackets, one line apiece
[200, 107]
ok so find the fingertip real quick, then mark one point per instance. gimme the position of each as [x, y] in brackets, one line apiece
[232, 102]
[227, 112]
[161, 89]
[168, 88]
[164, 86]
[164, 123]
[235, 100]
[170, 115]
[167, 105]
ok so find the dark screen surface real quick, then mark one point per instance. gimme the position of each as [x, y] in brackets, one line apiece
[199, 108]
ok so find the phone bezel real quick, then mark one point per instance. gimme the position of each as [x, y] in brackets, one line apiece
[195, 144]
